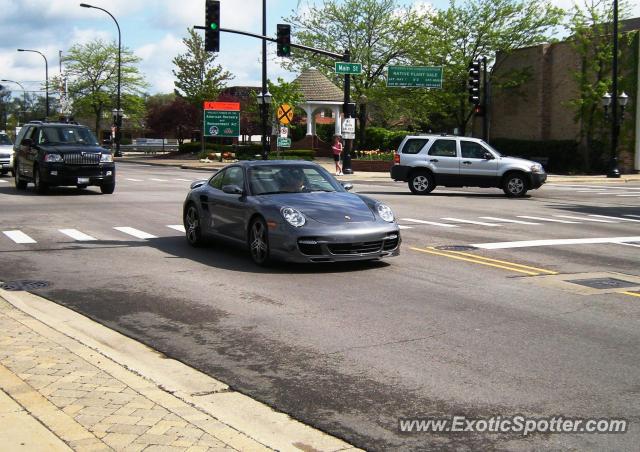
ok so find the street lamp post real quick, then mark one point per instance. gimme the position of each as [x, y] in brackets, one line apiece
[24, 92]
[46, 75]
[609, 101]
[363, 119]
[264, 100]
[613, 171]
[118, 119]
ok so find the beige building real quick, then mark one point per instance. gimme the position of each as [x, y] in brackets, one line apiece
[539, 109]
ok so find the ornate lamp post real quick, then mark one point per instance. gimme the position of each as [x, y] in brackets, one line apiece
[46, 75]
[616, 119]
[118, 118]
[264, 100]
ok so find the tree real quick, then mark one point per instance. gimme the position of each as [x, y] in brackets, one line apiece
[375, 32]
[171, 117]
[591, 27]
[92, 70]
[197, 77]
[470, 30]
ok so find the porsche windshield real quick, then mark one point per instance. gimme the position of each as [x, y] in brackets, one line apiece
[271, 179]
[78, 136]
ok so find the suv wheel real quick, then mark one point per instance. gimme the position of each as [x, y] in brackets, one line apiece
[421, 183]
[515, 185]
[20, 184]
[39, 185]
[107, 189]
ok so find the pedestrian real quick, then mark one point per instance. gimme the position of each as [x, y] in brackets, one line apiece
[337, 151]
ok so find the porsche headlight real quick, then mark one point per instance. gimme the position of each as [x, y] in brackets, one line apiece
[293, 216]
[385, 212]
[537, 168]
[106, 158]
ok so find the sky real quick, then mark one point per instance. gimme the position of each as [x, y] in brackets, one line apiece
[153, 29]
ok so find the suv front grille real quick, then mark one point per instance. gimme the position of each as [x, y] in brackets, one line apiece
[82, 158]
[355, 248]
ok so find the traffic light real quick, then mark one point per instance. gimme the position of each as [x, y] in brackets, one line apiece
[212, 32]
[284, 40]
[349, 110]
[474, 82]
[478, 110]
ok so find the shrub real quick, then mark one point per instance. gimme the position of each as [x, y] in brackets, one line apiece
[383, 139]
[558, 156]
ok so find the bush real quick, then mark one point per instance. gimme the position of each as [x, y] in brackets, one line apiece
[383, 139]
[558, 156]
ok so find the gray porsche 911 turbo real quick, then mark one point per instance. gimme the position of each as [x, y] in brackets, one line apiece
[289, 210]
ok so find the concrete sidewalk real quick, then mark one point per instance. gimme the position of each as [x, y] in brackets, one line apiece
[327, 163]
[68, 383]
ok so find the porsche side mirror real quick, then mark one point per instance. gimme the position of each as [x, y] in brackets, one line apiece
[347, 186]
[232, 189]
[197, 183]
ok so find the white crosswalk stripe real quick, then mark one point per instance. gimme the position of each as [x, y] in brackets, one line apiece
[19, 236]
[159, 180]
[460, 220]
[133, 180]
[585, 219]
[404, 227]
[506, 220]
[185, 180]
[177, 227]
[432, 223]
[77, 235]
[615, 218]
[2, 181]
[135, 232]
[552, 220]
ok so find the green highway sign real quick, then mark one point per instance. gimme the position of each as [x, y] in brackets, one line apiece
[284, 142]
[348, 68]
[414, 77]
[221, 123]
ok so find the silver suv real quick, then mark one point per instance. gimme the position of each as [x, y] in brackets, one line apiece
[425, 161]
[6, 154]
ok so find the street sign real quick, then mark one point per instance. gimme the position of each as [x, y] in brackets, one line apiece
[284, 142]
[414, 77]
[349, 136]
[348, 68]
[349, 125]
[231, 106]
[284, 114]
[284, 132]
[221, 123]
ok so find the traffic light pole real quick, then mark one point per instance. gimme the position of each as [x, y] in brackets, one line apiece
[346, 158]
[485, 101]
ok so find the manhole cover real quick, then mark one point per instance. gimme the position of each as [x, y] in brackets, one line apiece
[604, 283]
[24, 285]
[456, 248]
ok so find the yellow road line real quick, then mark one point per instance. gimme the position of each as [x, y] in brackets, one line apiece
[475, 261]
[541, 270]
[633, 294]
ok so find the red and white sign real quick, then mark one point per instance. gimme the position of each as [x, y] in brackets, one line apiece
[225, 106]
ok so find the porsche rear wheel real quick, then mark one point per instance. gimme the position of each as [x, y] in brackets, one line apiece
[192, 227]
[259, 242]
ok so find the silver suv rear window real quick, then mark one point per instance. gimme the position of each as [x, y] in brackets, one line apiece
[414, 145]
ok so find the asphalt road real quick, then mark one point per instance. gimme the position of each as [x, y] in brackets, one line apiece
[350, 349]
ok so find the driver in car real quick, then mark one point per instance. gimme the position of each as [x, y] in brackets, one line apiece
[293, 181]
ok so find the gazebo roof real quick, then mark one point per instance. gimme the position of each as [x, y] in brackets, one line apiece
[317, 87]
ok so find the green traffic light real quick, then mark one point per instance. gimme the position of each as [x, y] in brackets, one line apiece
[214, 26]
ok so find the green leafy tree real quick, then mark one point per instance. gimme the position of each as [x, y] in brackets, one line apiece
[197, 77]
[92, 71]
[467, 31]
[591, 27]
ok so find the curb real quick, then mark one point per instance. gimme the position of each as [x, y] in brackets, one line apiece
[248, 421]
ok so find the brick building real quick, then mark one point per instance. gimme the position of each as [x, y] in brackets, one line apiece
[539, 109]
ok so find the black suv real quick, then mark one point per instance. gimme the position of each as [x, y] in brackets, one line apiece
[52, 153]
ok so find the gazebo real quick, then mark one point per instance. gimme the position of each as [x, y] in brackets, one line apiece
[319, 93]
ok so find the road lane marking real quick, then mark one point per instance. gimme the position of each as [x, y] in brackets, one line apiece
[633, 294]
[77, 235]
[628, 244]
[506, 220]
[185, 180]
[551, 242]
[4, 181]
[404, 227]
[433, 223]
[432, 250]
[159, 180]
[585, 219]
[553, 220]
[135, 232]
[614, 218]
[476, 256]
[19, 237]
[629, 195]
[133, 180]
[459, 220]
[177, 227]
